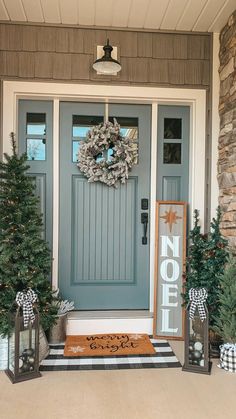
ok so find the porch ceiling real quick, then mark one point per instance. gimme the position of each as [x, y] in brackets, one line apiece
[182, 15]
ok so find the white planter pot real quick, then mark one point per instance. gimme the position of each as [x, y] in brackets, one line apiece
[43, 345]
[3, 353]
[57, 333]
[228, 357]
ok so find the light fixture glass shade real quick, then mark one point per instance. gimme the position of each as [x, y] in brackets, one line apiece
[107, 64]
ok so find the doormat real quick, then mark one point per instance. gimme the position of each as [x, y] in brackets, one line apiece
[108, 344]
[163, 357]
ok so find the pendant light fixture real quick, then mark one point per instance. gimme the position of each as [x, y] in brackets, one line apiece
[107, 64]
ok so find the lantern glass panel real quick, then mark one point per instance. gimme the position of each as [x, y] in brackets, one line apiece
[196, 341]
[27, 350]
[11, 351]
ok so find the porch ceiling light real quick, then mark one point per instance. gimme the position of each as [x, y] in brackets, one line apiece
[107, 64]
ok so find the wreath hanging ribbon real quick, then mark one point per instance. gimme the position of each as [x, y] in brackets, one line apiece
[25, 299]
[197, 299]
[105, 156]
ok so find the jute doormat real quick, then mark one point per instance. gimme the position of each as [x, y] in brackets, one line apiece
[108, 345]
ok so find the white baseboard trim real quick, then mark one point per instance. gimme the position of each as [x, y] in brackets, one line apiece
[83, 326]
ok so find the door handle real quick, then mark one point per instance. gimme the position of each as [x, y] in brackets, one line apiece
[144, 221]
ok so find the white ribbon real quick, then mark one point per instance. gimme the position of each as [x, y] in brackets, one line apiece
[197, 298]
[25, 299]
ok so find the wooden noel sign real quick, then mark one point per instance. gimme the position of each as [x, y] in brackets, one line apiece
[170, 259]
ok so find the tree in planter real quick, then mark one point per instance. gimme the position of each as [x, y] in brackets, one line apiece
[216, 256]
[194, 260]
[25, 259]
[205, 263]
[225, 321]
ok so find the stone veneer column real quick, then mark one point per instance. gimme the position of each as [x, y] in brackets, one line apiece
[227, 137]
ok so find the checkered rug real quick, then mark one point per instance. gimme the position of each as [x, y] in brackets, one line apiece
[163, 358]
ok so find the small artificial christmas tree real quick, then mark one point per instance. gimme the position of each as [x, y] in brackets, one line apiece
[207, 256]
[25, 259]
[215, 258]
[194, 260]
[225, 322]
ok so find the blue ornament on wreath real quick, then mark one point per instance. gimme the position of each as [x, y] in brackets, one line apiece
[105, 156]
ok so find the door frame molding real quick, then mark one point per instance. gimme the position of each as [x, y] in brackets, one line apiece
[194, 98]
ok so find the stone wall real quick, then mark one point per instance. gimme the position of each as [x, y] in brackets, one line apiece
[227, 138]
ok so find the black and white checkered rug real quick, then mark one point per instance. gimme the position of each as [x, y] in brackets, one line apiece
[164, 358]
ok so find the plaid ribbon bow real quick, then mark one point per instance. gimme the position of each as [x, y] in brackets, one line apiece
[25, 299]
[197, 299]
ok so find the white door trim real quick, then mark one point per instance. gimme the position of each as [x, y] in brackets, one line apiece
[195, 98]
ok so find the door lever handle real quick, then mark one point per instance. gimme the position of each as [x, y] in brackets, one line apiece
[144, 221]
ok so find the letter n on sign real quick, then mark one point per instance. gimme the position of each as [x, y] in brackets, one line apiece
[169, 265]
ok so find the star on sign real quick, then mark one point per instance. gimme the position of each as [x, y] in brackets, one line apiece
[76, 349]
[170, 218]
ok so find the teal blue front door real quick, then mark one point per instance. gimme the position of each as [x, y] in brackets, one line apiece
[103, 255]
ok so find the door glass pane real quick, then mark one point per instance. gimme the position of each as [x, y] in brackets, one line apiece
[173, 128]
[172, 153]
[105, 155]
[128, 125]
[35, 149]
[82, 123]
[75, 149]
[80, 126]
[36, 123]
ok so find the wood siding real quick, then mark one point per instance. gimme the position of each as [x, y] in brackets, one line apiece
[67, 54]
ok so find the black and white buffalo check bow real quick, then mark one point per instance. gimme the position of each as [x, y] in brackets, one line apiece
[197, 298]
[25, 299]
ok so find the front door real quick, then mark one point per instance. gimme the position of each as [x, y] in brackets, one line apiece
[103, 263]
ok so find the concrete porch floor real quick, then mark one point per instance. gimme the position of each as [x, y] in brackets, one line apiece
[138, 394]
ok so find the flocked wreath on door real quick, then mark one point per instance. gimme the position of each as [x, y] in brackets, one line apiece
[106, 156]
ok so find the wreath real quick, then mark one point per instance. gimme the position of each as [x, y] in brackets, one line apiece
[106, 156]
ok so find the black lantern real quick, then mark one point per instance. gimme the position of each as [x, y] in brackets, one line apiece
[197, 333]
[107, 64]
[23, 346]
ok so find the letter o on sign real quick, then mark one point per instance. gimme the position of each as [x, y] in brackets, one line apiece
[173, 270]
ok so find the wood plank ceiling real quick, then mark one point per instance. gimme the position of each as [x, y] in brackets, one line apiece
[181, 15]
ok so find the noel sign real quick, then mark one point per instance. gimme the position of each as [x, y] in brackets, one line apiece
[169, 265]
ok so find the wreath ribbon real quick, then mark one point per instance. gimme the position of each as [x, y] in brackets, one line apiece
[25, 299]
[197, 299]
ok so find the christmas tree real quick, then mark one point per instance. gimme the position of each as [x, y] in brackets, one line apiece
[195, 259]
[225, 322]
[207, 256]
[25, 259]
[215, 258]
